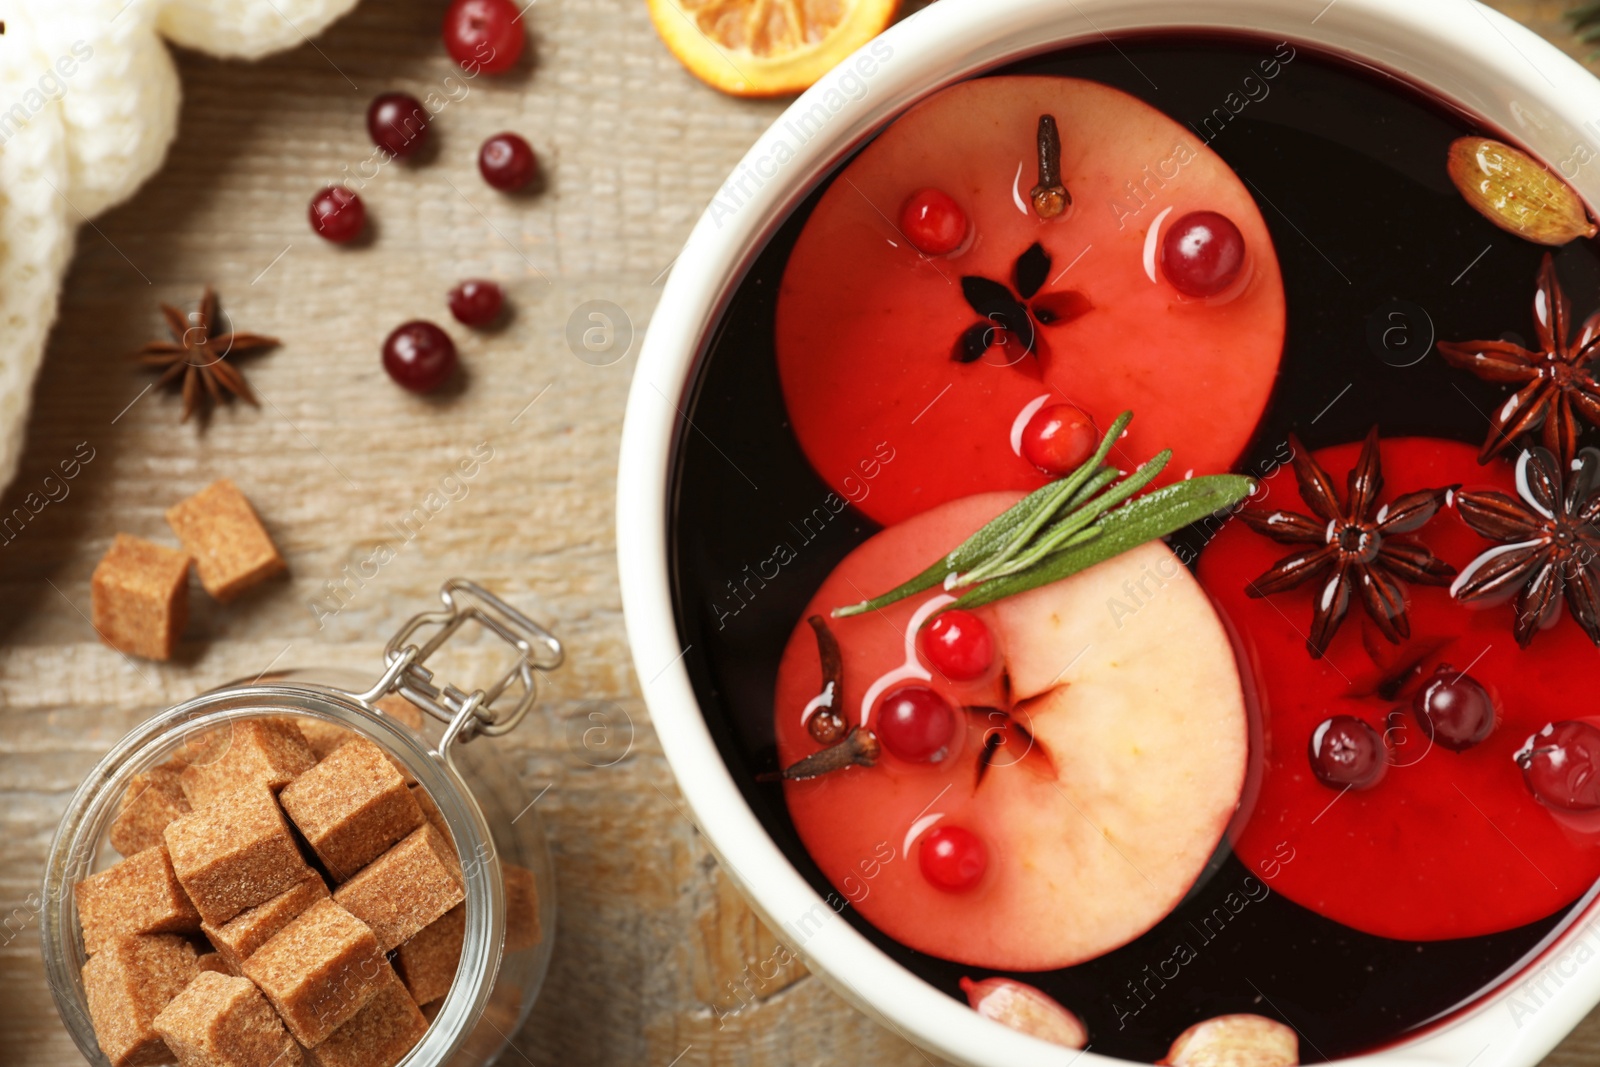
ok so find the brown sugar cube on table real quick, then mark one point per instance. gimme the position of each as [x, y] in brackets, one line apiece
[522, 907]
[139, 597]
[151, 800]
[235, 853]
[406, 888]
[272, 752]
[231, 549]
[351, 806]
[127, 985]
[223, 1021]
[380, 1034]
[240, 936]
[429, 960]
[138, 895]
[319, 971]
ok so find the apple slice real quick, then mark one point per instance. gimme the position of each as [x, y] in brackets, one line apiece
[867, 326]
[1448, 844]
[1121, 752]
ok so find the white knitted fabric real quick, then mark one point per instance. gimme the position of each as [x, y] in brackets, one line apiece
[88, 106]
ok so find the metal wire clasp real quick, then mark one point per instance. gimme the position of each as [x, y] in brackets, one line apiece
[468, 714]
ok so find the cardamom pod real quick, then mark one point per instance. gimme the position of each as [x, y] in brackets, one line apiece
[1516, 192]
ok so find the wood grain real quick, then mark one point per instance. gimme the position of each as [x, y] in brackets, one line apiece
[657, 958]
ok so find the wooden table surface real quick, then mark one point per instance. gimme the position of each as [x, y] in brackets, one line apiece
[651, 934]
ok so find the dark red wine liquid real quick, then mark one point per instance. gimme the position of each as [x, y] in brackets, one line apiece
[1380, 256]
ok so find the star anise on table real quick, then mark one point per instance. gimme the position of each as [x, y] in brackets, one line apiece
[1012, 314]
[1555, 384]
[1353, 546]
[198, 355]
[1552, 543]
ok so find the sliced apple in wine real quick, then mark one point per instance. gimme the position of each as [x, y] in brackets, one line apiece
[947, 354]
[1449, 842]
[1087, 777]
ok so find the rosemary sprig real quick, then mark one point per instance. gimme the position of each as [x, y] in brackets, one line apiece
[1068, 526]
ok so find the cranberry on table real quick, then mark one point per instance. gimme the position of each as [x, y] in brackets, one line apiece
[1202, 253]
[958, 645]
[1059, 439]
[1454, 709]
[1561, 766]
[484, 35]
[953, 858]
[476, 302]
[507, 162]
[397, 123]
[337, 214]
[1348, 753]
[915, 724]
[933, 222]
[419, 356]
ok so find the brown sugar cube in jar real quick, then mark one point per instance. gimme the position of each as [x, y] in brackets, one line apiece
[223, 1021]
[406, 888]
[381, 1033]
[231, 549]
[323, 737]
[272, 752]
[429, 960]
[127, 985]
[431, 812]
[214, 961]
[240, 936]
[151, 801]
[351, 806]
[138, 895]
[319, 971]
[139, 597]
[235, 853]
[398, 707]
[522, 907]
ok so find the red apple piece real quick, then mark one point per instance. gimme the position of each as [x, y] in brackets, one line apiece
[867, 324]
[1119, 764]
[1448, 844]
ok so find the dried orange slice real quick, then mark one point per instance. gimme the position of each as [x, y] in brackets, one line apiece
[766, 47]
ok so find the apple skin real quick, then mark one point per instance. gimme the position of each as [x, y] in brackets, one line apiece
[1098, 827]
[866, 326]
[1448, 844]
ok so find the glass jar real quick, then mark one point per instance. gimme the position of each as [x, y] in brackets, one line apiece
[488, 814]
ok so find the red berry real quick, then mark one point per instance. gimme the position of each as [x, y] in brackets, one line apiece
[507, 162]
[1348, 753]
[952, 858]
[958, 645]
[419, 356]
[1561, 765]
[484, 35]
[1454, 709]
[933, 222]
[397, 123]
[1202, 253]
[915, 723]
[476, 302]
[1059, 439]
[337, 214]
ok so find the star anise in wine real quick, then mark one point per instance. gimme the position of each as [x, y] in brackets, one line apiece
[1552, 543]
[198, 355]
[1353, 546]
[1555, 383]
[1012, 314]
